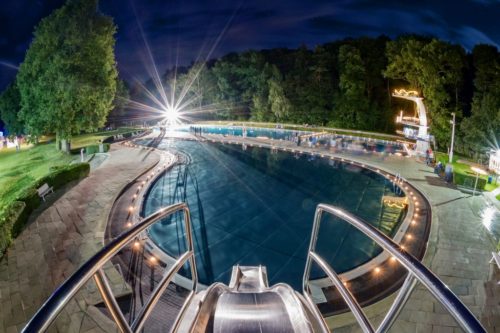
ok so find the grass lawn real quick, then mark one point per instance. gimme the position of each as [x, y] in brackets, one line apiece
[18, 170]
[464, 169]
[93, 138]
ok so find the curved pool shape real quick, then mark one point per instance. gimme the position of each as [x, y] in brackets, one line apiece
[255, 206]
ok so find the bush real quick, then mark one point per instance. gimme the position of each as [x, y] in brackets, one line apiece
[9, 217]
[92, 149]
[13, 218]
[468, 180]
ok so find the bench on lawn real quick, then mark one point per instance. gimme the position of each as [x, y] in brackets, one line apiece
[44, 190]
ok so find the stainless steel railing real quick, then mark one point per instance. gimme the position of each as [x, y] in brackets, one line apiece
[94, 268]
[417, 271]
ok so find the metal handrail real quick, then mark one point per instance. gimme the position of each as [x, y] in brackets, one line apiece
[93, 268]
[416, 269]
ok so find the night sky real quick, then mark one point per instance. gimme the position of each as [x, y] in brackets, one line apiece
[187, 30]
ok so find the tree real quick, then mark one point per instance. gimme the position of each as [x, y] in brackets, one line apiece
[352, 105]
[120, 102]
[435, 68]
[10, 104]
[480, 130]
[67, 81]
[280, 105]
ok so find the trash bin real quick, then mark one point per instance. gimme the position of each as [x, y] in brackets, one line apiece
[490, 179]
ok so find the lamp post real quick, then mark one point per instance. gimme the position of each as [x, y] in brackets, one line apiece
[452, 136]
[478, 171]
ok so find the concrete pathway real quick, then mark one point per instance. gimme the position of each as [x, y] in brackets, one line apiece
[61, 238]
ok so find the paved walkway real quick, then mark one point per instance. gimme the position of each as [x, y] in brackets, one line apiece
[62, 237]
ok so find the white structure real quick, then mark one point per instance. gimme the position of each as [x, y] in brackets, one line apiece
[495, 162]
[419, 123]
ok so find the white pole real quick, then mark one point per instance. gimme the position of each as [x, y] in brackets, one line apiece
[475, 185]
[452, 137]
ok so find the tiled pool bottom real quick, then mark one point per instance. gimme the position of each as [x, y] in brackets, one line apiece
[254, 206]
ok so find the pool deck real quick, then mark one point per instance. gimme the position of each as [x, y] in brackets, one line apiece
[70, 228]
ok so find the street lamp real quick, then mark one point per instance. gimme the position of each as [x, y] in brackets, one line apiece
[452, 136]
[478, 171]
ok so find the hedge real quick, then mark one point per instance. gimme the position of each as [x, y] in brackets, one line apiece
[468, 180]
[92, 149]
[13, 218]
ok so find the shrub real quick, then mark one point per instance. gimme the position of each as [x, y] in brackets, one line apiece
[91, 149]
[8, 218]
[13, 218]
[468, 180]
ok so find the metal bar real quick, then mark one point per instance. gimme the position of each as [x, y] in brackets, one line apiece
[398, 304]
[312, 248]
[109, 299]
[182, 312]
[442, 293]
[190, 247]
[61, 296]
[345, 293]
[158, 292]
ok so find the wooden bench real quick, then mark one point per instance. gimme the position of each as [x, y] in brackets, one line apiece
[44, 190]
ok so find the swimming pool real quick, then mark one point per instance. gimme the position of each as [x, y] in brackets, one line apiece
[254, 206]
[252, 132]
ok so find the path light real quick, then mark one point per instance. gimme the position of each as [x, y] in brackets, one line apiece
[134, 196]
[377, 270]
[153, 260]
[413, 222]
[137, 245]
[129, 224]
[131, 208]
[393, 259]
[409, 236]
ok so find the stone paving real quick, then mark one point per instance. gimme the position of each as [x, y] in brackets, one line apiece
[62, 237]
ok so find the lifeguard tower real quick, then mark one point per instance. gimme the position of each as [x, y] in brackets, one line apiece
[415, 128]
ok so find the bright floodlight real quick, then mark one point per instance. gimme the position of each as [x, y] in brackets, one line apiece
[172, 115]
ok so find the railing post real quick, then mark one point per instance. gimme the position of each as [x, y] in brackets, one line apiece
[398, 304]
[109, 299]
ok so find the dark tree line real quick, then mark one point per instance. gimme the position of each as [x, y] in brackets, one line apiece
[348, 84]
[344, 84]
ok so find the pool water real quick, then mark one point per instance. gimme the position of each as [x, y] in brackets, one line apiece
[252, 132]
[255, 206]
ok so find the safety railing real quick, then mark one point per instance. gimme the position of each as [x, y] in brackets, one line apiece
[417, 272]
[94, 268]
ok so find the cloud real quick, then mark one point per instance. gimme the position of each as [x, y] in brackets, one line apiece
[469, 36]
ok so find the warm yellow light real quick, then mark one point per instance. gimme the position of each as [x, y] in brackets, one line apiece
[409, 236]
[377, 270]
[129, 224]
[137, 245]
[131, 208]
[153, 260]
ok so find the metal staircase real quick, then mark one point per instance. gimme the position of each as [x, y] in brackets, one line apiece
[248, 303]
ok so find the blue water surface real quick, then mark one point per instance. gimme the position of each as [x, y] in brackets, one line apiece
[254, 206]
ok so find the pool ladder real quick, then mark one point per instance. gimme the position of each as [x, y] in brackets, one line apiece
[248, 303]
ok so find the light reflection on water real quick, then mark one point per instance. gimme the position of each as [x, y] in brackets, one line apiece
[490, 218]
